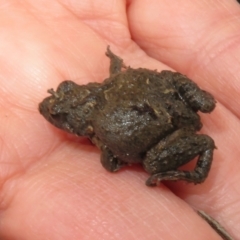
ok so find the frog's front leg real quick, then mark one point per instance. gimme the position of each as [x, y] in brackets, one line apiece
[174, 151]
[116, 63]
[110, 162]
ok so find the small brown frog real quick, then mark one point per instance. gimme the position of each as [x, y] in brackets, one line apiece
[138, 116]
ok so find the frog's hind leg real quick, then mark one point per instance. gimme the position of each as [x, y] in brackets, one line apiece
[174, 151]
[198, 99]
[116, 63]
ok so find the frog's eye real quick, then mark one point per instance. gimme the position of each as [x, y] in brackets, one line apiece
[66, 86]
[54, 109]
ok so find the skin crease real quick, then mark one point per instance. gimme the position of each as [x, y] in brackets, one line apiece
[52, 184]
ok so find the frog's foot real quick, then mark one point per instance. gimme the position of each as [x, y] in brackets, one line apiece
[110, 162]
[116, 63]
[155, 179]
[176, 150]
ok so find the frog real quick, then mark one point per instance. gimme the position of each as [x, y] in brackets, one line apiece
[138, 116]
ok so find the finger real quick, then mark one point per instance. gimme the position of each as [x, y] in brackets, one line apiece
[218, 195]
[189, 38]
[197, 38]
[54, 46]
[78, 199]
[24, 184]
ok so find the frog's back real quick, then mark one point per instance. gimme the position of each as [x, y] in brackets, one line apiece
[138, 85]
[146, 87]
[138, 112]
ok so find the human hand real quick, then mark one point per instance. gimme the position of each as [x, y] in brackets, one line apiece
[53, 185]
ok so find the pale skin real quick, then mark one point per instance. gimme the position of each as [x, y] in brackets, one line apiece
[52, 184]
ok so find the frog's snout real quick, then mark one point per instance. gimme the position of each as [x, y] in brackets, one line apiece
[43, 108]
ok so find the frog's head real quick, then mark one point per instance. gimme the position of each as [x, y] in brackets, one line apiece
[70, 107]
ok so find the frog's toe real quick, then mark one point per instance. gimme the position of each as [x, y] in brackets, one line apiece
[155, 179]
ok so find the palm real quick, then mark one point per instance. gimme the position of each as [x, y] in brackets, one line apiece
[53, 186]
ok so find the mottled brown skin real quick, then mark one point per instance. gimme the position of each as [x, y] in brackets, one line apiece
[138, 116]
